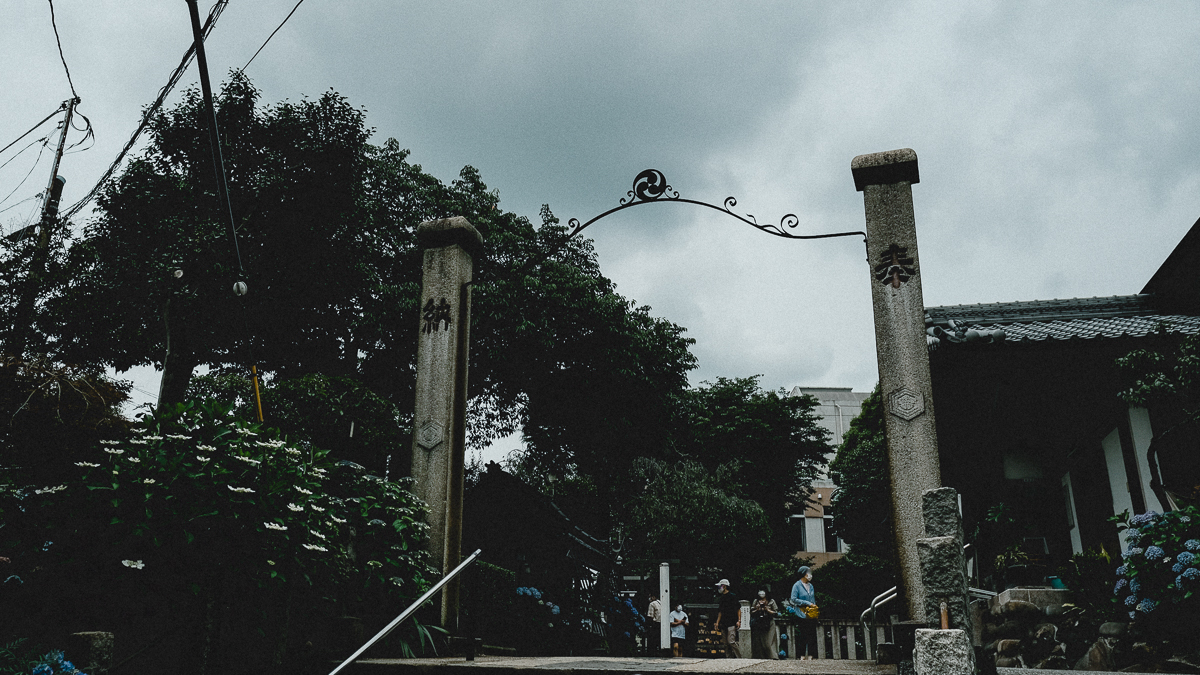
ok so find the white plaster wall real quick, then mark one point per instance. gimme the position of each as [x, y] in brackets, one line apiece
[1069, 495]
[1139, 428]
[1117, 481]
[814, 531]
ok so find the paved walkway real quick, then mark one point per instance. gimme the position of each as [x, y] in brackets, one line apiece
[548, 665]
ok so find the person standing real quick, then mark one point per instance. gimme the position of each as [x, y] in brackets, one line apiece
[729, 619]
[654, 615]
[764, 634]
[804, 595]
[679, 622]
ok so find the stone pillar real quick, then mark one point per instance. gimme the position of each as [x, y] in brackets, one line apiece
[886, 179]
[943, 652]
[439, 418]
[943, 566]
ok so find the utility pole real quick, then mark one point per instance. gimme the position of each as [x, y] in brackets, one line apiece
[23, 316]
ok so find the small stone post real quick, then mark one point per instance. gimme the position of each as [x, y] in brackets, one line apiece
[886, 179]
[439, 417]
[944, 575]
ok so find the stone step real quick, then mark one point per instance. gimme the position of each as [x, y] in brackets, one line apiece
[580, 665]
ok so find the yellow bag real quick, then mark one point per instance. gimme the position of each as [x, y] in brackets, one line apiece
[811, 611]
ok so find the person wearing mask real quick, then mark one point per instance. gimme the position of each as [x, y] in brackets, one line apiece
[805, 595]
[729, 618]
[654, 617]
[679, 622]
[764, 634]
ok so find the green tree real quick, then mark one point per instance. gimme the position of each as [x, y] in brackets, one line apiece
[773, 441]
[326, 230]
[687, 512]
[862, 504]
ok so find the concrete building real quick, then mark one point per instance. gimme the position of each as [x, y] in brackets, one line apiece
[837, 406]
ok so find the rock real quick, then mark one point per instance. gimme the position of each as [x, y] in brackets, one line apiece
[1053, 663]
[1053, 610]
[1113, 629]
[940, 511]
[943, 652]
[1021, 610]
[91, 651]
[1008, 647]
[1099, 656]
[1009, 662]
[1007, 630]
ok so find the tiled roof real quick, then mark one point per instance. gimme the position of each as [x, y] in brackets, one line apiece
[1076, 318]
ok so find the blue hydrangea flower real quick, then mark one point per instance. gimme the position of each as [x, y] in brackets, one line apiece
[1131, 600]
[1185, 519]
[1186, 558]
[535, 593]
[1144, 519]
[1155, 553]
[1132, 535]
[1179, 581]
[1122, 570]
[1119, 586]
[43, 669]
[1133, 615]
[554, 610]
[1191, 573]
[1135, 585]
[1192, 544]
[1146, 606]
[1177, 568]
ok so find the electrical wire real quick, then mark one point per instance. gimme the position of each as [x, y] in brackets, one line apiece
[150, 111]
[31, 197]
[60, 51]
[35, 163]
[20, 152]
[264, 44]
[34, 127]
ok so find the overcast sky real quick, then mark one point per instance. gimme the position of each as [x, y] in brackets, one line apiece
[1057, 142]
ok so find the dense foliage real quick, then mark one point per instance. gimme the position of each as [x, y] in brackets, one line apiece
[1159, 579]
[224, 523]
[862, 504]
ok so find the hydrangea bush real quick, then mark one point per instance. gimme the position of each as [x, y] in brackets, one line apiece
[1158, 581]
[196, 501]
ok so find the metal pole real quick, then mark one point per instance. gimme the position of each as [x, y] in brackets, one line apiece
[664, 599]
[408, 612]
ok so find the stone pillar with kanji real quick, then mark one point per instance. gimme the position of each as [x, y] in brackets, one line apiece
[886, 180]
[439, 420]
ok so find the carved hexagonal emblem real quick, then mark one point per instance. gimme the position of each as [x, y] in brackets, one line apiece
[906, 403]
[430, 434]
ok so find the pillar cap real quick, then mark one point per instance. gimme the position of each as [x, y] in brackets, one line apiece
[450, 232]
[885, 168]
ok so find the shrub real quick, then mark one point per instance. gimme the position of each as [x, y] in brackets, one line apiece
[1159, 579]
[230, 521]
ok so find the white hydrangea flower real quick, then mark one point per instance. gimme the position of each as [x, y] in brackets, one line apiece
[116, 451]
[139, 441]
[316, 534]
[269, 444]
[154, 438]
[202, 458]
[86, 464]
[245, 432]
[149, 481]
[275, 526]
[179, 437]
[50, 490]
[317, 508]
[239, 489]
[293, 452]
[293, 507]
[337, 520]
[253, 462]
[134, 564]
[135, 460]
[302, 490]
[110, 442]
[206, 448]
[313, 547]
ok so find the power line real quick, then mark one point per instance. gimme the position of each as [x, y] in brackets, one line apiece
[34, 127]
[264, 44]
[60, 51]
[45, 142]
[150, 111]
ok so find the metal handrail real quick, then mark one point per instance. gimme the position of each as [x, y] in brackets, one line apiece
[981, 593]
[408, 612]
[879, 601]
